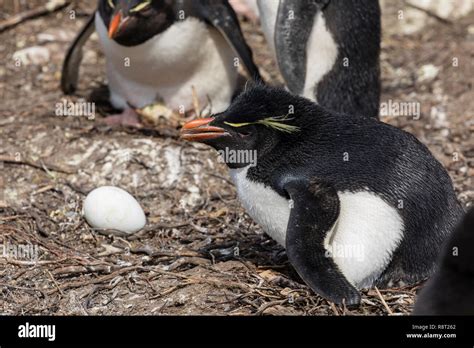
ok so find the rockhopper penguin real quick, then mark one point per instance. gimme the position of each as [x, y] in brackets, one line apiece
[352, 212]
[451, 290]
[327, 50]
[157, 50]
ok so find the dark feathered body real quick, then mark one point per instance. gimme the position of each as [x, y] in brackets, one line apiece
[451, 290]
[353, 84]
[357, 153]
[328, 50]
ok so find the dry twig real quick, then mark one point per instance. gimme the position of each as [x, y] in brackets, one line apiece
[50, 7]
[41, 165]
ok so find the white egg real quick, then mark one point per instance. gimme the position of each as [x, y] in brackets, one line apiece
[110, 207]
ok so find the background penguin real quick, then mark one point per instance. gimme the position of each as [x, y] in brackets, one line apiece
[351, 212]
[327, 50]
[156, 50]
[451, 290]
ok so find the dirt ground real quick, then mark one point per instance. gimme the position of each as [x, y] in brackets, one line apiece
[199, 253]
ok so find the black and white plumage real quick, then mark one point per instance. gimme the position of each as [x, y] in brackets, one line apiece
[352, 212]
[157, 50]
[451, 289]
[327, 50]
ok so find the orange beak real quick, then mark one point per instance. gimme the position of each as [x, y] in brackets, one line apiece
[199, 130]
[115, 24]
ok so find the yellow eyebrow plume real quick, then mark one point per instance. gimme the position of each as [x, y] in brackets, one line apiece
[141, 6]
[276, 122]
[237, 125]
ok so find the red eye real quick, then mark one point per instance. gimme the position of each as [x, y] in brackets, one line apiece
[244, 134]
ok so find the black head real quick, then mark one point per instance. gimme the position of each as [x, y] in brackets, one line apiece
[132, 22]
[259, 119]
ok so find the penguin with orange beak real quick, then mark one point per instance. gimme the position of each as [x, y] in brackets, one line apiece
[351, 212]
[157, 50]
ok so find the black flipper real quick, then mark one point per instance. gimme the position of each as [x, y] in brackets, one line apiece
[72, 61]
[293, 27]
[315, 210]
[220, 14]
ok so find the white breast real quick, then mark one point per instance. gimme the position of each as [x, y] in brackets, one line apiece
[321, 48]
[189, 53]
[321, 54]
[361, 242]
[264, 205]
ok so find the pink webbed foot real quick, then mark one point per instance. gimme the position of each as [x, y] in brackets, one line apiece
[127, 118]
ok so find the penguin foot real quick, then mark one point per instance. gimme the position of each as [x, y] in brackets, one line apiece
[348, 296]
[127, 118]
[352, 300]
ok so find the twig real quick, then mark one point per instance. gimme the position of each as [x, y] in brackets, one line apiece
[30, 263]
[429, 13]
[75, 188]
[333, 307]
[8, 218]
[210, 281]
[42, 166]
[74, 270]
[196, 261]
[141, 233]
[39, 224]
[167, 291]
[22, 288]
[110, 232]
[55, 283]
[98, 280]
[267, 305]
[151, 132]
[49, 7]
[383, 302]
[43, 189]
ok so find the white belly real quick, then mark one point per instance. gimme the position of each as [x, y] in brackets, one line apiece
[362, 240]
[321, 55]
[321, 48]
[164, 68]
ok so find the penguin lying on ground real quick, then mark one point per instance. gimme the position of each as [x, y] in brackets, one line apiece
[352, 212]
[451, 290]
[156, 50]
[327, 50]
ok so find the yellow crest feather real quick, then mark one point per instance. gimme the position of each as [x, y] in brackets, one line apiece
[276, 122]
[237, 125]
